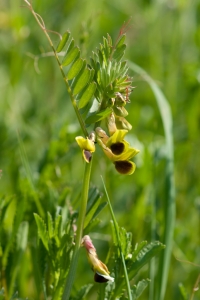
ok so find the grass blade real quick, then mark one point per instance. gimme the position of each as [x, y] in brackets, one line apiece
[170, 211]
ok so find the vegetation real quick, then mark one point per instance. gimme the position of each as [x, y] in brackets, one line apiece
[99, 135]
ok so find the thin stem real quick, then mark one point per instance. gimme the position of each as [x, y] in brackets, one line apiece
[119, 244]
[196, 287]
[80, 226]
[73, 101]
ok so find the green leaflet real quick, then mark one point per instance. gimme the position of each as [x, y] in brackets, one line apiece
[97, 116]
[119, 52]
[58, 229]
[70, 56]
[126, 241]
[144, 256]
[138, 289]
[87, 95]
[42, 231]
[120, 111]
[137, 249]
[120, 41]
[81, 81]
[63, 42]
[93, 223]
[22, 236]
[75, 69]
[50, 225]
[82, 292]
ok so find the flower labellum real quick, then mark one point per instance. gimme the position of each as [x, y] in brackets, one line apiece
[118, 150]
[101, 271]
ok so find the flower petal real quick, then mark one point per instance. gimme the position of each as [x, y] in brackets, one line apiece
[122, 123]
[117, 148]
[85, 144]
[87, 155]
[102, 135]
[125, 167]
[118, 136]
[102, 278]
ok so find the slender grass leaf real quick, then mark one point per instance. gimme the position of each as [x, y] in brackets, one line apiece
[88, 94]
[114, 233]
[75, 69]
[42, 231]
[138, 289]
[50, 225]
[97, 116]
[144, 256]
[116, 227]
[82, 81]
[169, 212]
[63, 42]
[70, 56]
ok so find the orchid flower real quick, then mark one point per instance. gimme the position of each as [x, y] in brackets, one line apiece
[87, 146]
[101, 271]
[117, 150]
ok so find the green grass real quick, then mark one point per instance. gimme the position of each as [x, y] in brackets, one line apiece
[42, 168]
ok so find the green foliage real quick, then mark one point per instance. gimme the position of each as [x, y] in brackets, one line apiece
[139, 288]
[63, 41]
[42, 170]
[42, 231]
[183, 293]
[82, 292]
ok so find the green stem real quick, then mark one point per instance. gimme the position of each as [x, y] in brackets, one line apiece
[119, 244]
[69, 90]
[80, 226]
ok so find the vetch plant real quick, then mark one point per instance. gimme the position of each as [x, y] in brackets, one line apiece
[99, 91]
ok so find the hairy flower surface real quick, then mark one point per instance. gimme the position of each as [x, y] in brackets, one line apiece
[99, 268]
[117, 150]
[87, 146]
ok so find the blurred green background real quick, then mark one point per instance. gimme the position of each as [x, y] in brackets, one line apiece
[164, 39]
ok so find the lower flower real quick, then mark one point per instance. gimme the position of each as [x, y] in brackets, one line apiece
[101, 271]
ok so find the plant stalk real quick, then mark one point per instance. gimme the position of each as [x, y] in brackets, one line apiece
[73, 101]
[80, 226]
[119, 244]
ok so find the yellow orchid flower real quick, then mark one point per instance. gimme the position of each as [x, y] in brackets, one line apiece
[101, 271]
[87, 146]
[117, 150]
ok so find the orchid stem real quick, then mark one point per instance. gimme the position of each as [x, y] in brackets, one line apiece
[119, 244]
[80, 227]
